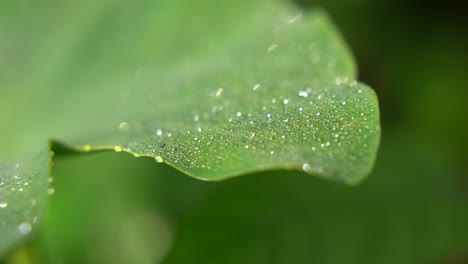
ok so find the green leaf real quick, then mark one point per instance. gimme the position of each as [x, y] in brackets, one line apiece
[213, 90]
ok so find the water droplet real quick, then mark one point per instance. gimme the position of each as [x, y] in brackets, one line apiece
[256, 87]
[318, 113]
[239, 114]
[252, 135]
[300, 109]
[123, 126]
[273, 101]
[285, 101]
[87, 147]
[320, 96]
[118, 148]
[50, 191]
[24, 228]
[314, 148]
[219, 92]
[268, 115]
[196, 118]
[344, 103]
[306, 167]
[3, 204]
[295, 18]
[159, 159]
[272, 48]
[303, 94]
[159, 132]
[272, 152]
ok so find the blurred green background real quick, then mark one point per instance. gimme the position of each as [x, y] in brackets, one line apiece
[114, 208]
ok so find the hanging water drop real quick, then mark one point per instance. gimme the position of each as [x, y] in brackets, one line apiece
[24, 228]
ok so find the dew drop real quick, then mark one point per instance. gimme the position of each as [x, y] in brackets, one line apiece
[239, 114]
[272, 48]
[50, 191]
[159, 159]
[306, 167]
[256, 87]
[24, 228]
[303, 94]
[123, 125]
[118, 148]
[159, 132]
[196, 118]
[318, 113]
[320, 96]
[295, 18]
[344, 103]
[268, 115]
[285, 101]
[219, 92]
[3, 204]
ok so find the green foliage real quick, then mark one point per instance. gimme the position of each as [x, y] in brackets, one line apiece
[252, 86]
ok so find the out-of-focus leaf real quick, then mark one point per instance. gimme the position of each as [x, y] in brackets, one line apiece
[269, 217]
[215, 90]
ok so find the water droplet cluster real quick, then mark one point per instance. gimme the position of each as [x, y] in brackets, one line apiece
[21, 206]
[302, 106]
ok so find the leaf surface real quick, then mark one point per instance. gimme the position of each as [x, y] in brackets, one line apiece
[213, 90]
